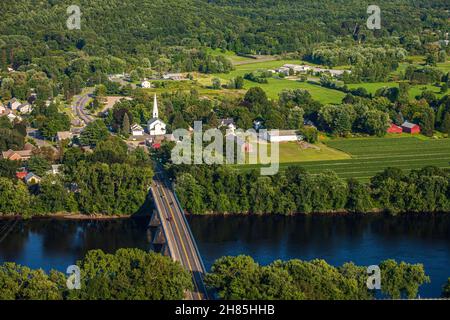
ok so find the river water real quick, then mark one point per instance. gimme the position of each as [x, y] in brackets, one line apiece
[364, 239]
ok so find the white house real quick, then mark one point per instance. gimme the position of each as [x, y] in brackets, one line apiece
[155, 126]
[146, 84]
[14, 104]
[24, 108]
[137, 130]
[228, 123]
[281, 136]
[13, 117]
[2, 109]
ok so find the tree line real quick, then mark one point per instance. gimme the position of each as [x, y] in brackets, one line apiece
[220, 189]
[133, 274]
[241, 278]
[130, 274]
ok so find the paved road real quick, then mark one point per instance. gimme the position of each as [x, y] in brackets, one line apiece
[181, 243]
[79, 108]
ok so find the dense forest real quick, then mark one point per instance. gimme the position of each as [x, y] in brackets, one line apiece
[173, 31]
[206, 189]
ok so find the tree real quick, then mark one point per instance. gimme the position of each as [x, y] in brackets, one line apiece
[94, 132]
[190, 194]
[402, 280]
[14, 197]
[446, 289]
[8, 168]
[38, 165]
[131, 274]
[255, 97]
[126, 125]
[216, 84]
[239, 82]
[310, 134]
[22, 283]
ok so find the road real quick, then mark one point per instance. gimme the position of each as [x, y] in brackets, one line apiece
[179, 238]
[79, 108]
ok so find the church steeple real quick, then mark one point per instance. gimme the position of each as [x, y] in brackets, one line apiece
[155, 108]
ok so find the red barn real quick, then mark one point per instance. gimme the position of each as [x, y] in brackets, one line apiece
[409, 127]
[394, 129]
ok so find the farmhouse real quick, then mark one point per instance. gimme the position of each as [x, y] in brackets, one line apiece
[409, 127]
[282, 136]
[155, 126]
[394, 129]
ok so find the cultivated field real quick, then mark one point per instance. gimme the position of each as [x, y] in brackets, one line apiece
[371, 155]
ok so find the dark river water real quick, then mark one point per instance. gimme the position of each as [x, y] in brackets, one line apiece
[365, 240]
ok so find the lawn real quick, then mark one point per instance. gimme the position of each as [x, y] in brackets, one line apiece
[371, 155]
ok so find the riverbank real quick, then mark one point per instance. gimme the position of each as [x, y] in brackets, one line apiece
[68, 216]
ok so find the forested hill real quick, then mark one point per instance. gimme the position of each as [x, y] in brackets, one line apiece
[126, 28]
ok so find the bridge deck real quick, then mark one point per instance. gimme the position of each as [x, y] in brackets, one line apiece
[179, 239]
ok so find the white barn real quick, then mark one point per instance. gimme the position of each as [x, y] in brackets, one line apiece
[282, 136]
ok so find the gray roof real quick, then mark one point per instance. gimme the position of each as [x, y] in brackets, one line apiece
[409, 125]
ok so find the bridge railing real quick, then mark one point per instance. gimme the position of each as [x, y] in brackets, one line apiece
[161, 219]
[189, 229]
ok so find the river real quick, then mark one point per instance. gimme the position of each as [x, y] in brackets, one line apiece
[364, 239]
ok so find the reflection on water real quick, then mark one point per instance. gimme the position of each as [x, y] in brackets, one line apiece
[365, 240]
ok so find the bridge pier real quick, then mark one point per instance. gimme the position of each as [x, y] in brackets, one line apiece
[159, 237]
[155, 221]
[165, 250]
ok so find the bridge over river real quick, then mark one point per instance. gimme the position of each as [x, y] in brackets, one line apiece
[174, 234]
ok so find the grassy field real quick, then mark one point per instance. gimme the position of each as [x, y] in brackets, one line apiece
[292, 152]
[413, 91]
[368, 156]
[275, 86]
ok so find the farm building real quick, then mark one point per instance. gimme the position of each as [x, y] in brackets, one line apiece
[281, 136]
[409, 127]
[137, 130]
[394, 129]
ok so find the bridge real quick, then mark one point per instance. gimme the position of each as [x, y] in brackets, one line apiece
[174, 234]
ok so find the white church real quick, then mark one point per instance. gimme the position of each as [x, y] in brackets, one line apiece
[155, 126]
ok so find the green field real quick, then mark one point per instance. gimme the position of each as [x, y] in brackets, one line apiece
[292, 152]
[275, 86]
[413, 91]
[371, 155]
